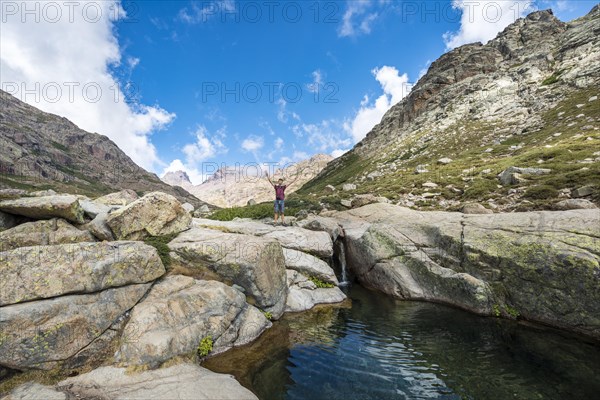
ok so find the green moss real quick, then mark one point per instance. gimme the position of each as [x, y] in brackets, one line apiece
[496, 310]
[513, 312]
[319, 283]
[160, 244]
[205, 346]
[541, 192]
[268, 315]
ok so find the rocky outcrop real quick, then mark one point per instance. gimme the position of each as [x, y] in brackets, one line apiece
[35, 391]
[45, 232]
[540, 266]
[44, 333]
[179, 312]
[239, 186]
[309, 266]
[318, 223]
[62, 206]
[121, 198]
[155, 214]
[41, 272]
[42, 149]
[254, 263]
[183, 381]
[304, 294]
[99, 228]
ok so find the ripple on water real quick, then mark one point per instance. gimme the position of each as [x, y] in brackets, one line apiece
[381, 348]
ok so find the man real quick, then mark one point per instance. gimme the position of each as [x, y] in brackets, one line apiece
[279, 197]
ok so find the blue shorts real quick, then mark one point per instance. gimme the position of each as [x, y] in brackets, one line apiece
[279, 207]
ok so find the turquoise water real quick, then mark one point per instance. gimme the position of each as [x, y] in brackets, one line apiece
[382, 348]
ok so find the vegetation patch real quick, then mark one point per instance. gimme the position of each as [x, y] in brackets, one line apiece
[160, 244]
[205, 346]
[541, 192]
[319, 283]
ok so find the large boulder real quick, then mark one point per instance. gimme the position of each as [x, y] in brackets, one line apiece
[182, 382]
[319, 223]
[540, 266]
[316, 243]
[254, 263]
[304, 294]
[93, 208]
[155, 214]
[99, 228]
[45, 207]
[121, 198]
[309, 265]
[179, 312]
[44, 232]
[575, 204]
[39, 272]
[44, 333]
[511, 175]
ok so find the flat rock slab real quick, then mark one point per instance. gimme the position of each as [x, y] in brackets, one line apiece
[252, 262]
[304, 295]
[309, 265]
[292, 237]
[41, 334]
[155, 214]
[45, 207]
[39, 272]
[181, 382]
[44, 232]
[179, 312]
[35, 391]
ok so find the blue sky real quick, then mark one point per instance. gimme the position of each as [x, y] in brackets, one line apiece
[242, 81]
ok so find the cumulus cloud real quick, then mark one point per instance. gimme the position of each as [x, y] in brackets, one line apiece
[204, 148]
[482, 20]
[253, 143]
[357, 18]
[395, 88]
[73, 77]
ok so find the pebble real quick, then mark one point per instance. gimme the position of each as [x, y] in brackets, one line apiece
[593, 98]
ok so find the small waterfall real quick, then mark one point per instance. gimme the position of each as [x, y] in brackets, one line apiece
[341, 255]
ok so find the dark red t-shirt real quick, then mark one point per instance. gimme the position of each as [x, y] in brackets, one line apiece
[280, 192]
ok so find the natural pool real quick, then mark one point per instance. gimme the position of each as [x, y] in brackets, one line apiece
[382, 348]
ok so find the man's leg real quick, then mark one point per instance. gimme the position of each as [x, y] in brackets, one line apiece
[282, 210]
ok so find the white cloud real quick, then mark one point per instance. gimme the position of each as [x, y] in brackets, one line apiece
[395, 88]
[278, 143]
[67, 53]
[338, 152]
[482, 20]
[317, 82]
[207, 10]
[356, 19]
[253, 143]
[204, 148]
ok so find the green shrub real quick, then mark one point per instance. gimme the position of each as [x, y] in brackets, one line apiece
[319, 283]
[480, 188]
[160, 244]
[541, 192]
[205, 346]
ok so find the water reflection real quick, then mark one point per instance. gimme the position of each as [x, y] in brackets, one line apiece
[381, 348]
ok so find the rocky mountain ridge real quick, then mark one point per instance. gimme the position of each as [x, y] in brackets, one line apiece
[39, 150]
[237, 185]
[526, 99]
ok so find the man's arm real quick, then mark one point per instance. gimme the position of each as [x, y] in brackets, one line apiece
[269, 179]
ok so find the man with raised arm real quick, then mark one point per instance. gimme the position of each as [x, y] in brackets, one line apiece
[280, 197]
